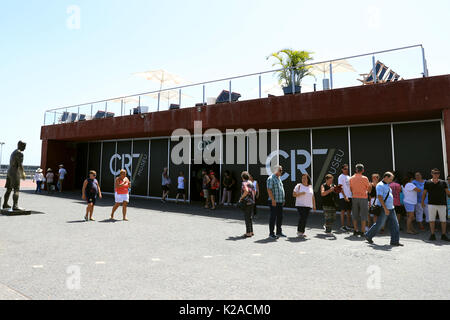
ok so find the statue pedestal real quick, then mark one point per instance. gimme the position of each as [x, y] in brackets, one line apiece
[11, 212]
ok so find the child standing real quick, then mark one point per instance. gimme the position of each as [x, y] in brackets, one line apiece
[181, 187]
[39, 179]
[91, 189]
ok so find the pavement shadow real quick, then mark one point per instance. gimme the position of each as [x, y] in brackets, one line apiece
[325, 237]
[77, 221]
[266, 241]
[236, 238]
[296, 239]
[385, 247]
[110, 221]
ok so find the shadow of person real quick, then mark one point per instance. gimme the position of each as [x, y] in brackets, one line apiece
[297, 239]
[237, 238]
[109, 221]
[265, 241]
[326, 237]
[77, 221]
[385, 247]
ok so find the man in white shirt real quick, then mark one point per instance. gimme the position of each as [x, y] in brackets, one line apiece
[345, 199]
[61, 175]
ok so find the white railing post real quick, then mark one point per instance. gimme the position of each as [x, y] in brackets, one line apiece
[106, 108]
[293, 80]
[229, 96]
[425, 68]
[374, 70]
[260, 88]
[179, 98]
[204, 95]
[331, 75]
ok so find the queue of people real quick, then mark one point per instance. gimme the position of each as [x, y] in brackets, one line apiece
[52, 182]
[365, 206]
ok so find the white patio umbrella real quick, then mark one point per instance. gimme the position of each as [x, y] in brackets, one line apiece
[337, 66]
[162, 77]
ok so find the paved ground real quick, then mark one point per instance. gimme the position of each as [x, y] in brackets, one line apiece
[185, 252]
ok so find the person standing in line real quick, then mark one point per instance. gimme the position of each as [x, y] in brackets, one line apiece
[227, 184]
[90, 191]
[385, 200]
[304, 202]
[122, 197]
[39, 179]
[247, 201]
[419, 182]
[360, 187]
[345, 199]
[275, 190]
[327, 191]
[61, 175]
[165, 183]
[437, 191]
[206, 181]
[410, 192]
[373, 197]
[215, 188]
[398, 206]
[49, 178]
[256, 185]
[181, 187]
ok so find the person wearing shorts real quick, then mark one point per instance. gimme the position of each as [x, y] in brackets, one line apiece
[90, 191]
[165, 184]
[360, 187]
[437, 191]
[121, 195]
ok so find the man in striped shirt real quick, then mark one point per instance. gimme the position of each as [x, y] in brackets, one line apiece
[277, 200]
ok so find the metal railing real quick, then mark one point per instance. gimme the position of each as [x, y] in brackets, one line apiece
[254, 88]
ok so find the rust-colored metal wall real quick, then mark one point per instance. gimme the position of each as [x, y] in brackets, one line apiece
[416, 99]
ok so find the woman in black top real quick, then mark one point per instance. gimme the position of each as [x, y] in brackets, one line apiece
[327, 191]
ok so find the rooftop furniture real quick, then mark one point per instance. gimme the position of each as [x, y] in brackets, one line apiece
[103, 114]
[64, 117]
[381, 70]
[140, 110]
[174, 107]
[224, 96]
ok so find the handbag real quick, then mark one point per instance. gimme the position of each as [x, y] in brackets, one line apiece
[376, 210]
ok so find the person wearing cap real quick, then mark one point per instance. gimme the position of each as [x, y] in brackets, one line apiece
[39, 179]
[61, 175]
[50, 176]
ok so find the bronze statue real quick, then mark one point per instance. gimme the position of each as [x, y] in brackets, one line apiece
[15, 173]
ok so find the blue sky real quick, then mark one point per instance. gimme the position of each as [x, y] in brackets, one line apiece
[45, 64]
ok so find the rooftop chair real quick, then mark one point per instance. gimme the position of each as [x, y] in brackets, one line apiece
[103, 114]
[64, 117]
[73, 117]
[390, 76]
[82, 117]
[368, 77]
[224, 96]
[140, 110]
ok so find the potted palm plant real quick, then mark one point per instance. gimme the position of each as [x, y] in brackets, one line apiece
[293, 67]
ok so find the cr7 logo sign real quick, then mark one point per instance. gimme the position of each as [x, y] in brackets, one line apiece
[126, 161]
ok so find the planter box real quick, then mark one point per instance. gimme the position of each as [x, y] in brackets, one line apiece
[288, 90]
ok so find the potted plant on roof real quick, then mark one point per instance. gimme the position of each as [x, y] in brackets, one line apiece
[293, 68]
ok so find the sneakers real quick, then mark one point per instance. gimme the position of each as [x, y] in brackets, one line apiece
[432, 237]
[369, 240]
[272, 236]
[444, 238]
[344, 229]
[397, 245]
[355, 233]
[281, 235]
